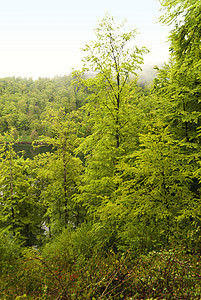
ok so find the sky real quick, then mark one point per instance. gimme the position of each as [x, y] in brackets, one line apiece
[43, 38]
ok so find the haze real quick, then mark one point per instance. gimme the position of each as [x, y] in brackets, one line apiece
[43, 38]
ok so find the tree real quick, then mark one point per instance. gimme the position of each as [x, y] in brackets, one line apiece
[157, 190]
[178, 88]
[110, 108]
[58, 173]
[113, 61]
[178, 85]
[184, 80]
[20, 210]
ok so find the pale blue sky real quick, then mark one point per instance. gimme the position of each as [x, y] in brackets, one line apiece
[43, 37]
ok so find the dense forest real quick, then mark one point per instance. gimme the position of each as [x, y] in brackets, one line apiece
[108, 207]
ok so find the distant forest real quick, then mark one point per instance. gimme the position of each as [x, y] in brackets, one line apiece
[25, 103]
[111, 209]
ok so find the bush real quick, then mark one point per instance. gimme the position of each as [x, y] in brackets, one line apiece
[10, 250]
[73, 267]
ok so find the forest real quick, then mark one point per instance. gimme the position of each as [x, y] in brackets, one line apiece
[106, 203]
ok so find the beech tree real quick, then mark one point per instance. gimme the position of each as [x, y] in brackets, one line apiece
[178, 87]
[183, 87]
[112, 58]
[59, 172]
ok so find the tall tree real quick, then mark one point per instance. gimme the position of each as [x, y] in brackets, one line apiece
[113, 59]
[183, 87]
[178, 87]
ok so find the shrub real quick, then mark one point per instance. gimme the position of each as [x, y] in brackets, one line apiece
[10, 250]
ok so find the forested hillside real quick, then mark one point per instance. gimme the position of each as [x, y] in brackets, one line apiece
[113, 211]
[25, 103]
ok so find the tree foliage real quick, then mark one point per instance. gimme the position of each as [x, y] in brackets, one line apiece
[110, 108]
[122, 176]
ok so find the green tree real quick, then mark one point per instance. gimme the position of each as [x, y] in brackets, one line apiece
[158, 190]
[20, 211]
[110, 109]
[178, 85]
[178, 88]
[183, 79]
[59, 172]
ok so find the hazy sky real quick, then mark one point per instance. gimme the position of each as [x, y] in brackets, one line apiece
[43, 37]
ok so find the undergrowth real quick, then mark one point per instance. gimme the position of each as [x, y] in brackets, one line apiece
[163, 275]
